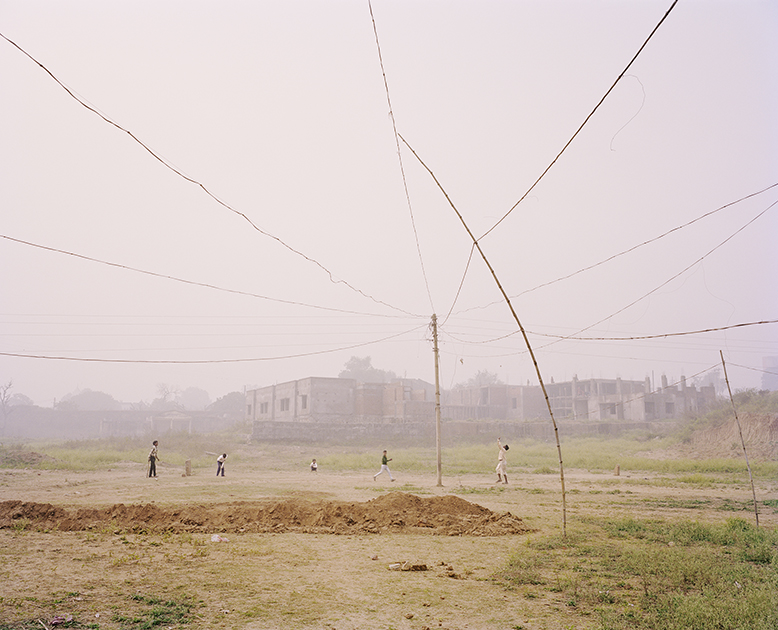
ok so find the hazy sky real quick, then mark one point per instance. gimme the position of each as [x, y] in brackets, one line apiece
[279, 110]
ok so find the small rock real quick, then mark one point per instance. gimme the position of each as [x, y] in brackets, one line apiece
[409, 615]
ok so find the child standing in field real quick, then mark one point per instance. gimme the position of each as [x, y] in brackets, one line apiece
[502, 463]
[153, 457]
[220, 464]
[384, 467]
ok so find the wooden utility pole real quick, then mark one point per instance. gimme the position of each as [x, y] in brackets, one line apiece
[437, 396]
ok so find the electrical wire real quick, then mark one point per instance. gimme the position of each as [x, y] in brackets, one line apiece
[666, 282]
[461, 284]
[586, 120]
[199, 184]
[628, 250]
[652, 240]
[190, 282]
[633, 338]
[207, 361]
[660, 336]
[745, 367]
[399, 156]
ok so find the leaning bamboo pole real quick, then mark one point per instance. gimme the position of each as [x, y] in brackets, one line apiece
[477, 245]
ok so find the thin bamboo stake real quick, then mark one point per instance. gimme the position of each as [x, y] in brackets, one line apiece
[742, 441]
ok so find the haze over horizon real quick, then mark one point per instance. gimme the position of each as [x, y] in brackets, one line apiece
[121, 273]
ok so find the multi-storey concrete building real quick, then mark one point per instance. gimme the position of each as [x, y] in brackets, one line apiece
[337, 400]
[341, 400]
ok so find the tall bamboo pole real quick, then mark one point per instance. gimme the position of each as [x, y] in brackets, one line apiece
[477, 246]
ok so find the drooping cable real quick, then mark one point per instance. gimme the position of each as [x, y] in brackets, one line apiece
[477, 246]
[660, 336]
[202, 186]
[586, 120]
[669, 280]
[206, 361]
[461, 284]
[399, 156]
[185, 281]
[649, 241]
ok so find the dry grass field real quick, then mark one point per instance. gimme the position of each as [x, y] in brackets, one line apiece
[272, 545]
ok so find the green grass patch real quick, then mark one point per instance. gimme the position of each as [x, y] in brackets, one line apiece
[642, 574]
[86, 455]
[596, 455]
[154, 611]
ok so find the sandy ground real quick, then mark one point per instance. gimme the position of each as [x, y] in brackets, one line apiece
[536, 499]
[308, 566]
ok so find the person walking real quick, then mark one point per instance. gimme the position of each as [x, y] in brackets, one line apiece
[502, 463]
[220, 464]
[153, 457]
[384, 467]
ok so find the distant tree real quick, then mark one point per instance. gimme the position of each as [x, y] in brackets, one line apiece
[482, 378]
[20, 400]
[167, 392]
[231, 404]
[194, 399]
[89, 400]
[166, 398]
[360, 369]
[5, 407]
[65, 405]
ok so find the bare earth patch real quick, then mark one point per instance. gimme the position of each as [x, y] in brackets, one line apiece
[397, 512]
[311, 551]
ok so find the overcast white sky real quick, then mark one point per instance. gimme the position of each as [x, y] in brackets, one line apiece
[279, 109]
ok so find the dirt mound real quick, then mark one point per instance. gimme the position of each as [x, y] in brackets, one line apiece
[760, 433]
[394, 512]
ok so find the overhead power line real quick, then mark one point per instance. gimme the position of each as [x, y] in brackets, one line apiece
[669, 280]
[660, 336]
[745, 367]
[586, 120]
[190, 282]
[515, 316]
[649, 241]
[632, 338]
[628, 250]
[400, 157]
[200, 185]
[206, 361]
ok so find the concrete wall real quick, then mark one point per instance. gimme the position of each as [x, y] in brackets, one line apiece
[423, 433]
